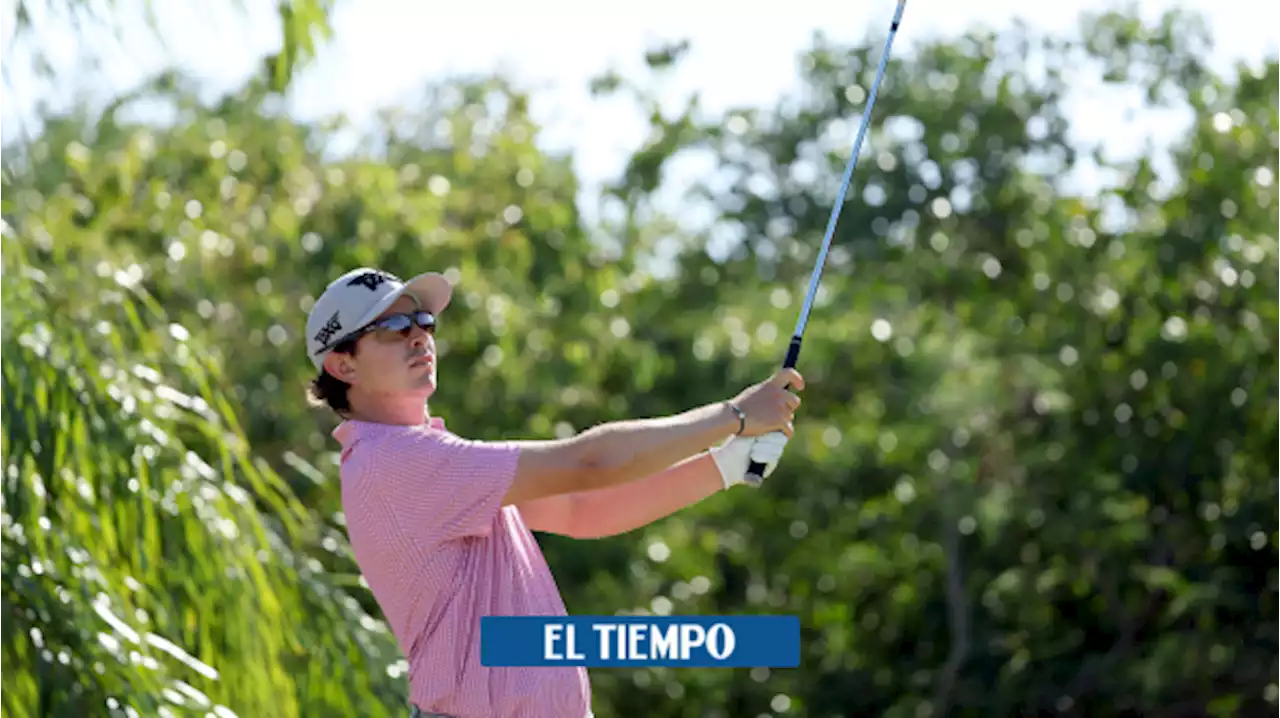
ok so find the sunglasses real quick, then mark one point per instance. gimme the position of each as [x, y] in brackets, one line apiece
[399, 324]
[393, 327]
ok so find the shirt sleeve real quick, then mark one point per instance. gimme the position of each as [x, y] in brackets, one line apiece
[449, 485]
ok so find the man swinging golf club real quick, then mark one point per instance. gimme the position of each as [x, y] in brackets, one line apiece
[440, 525]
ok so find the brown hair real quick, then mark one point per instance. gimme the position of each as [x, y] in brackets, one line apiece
[328, 390]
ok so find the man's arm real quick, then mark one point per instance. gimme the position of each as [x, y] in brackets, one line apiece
[625, 451]
[616, 453]
[619, 509]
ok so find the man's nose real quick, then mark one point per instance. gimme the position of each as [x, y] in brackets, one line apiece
[418, 336]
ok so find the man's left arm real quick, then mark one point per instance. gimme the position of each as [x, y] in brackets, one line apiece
[623, 508]
[626, 507]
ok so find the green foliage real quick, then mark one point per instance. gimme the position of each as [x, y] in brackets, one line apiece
[304, 24]
[1036, 470]
[148, 558]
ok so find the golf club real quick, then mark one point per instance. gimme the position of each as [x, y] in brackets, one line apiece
[755, 472]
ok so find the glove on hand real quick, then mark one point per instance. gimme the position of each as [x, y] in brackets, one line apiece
[734, 456]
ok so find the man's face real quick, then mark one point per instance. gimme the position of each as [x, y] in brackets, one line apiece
[392, 364]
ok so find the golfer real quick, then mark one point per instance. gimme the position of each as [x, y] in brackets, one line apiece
[441, 525]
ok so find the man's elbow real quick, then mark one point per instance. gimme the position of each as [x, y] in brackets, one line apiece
[595, 464]
[560, 468]
[587, 515]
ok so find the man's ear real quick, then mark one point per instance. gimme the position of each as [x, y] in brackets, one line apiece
[341, 366]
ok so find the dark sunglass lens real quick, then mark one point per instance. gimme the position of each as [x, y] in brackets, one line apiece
[395, 323]
[426, 320]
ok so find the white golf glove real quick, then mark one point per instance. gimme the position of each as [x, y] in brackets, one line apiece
[734, 456]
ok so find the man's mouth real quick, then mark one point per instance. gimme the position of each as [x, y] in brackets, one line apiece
[421, 360]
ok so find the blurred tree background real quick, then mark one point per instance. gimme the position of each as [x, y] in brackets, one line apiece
[1036, 472]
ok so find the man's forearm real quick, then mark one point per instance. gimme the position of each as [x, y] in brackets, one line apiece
[629, 450]
[619, 509]
[624, 451]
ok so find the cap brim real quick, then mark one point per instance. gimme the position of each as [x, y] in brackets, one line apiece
[432, 291]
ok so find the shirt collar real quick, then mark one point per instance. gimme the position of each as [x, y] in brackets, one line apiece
[350, 430]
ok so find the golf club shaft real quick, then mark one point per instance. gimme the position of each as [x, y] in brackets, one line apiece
[755, 472]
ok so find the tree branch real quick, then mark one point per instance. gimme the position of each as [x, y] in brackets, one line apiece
[1086, 678]
[958, 620]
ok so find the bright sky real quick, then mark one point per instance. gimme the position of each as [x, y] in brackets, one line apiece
[387, 50]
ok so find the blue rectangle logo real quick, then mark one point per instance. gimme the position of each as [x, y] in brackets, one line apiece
[634, 641]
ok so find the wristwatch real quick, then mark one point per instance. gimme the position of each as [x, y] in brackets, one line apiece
[742, 417]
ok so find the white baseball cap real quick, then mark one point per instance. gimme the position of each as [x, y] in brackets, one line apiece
[357, 298]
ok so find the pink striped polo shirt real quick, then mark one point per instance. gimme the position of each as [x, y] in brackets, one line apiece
[426, 523]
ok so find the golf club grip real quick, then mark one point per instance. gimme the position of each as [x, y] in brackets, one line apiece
[755, 470]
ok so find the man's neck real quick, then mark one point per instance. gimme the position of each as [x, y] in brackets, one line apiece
[400, 411]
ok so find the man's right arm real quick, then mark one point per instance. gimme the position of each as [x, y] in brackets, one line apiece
[624, 451]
